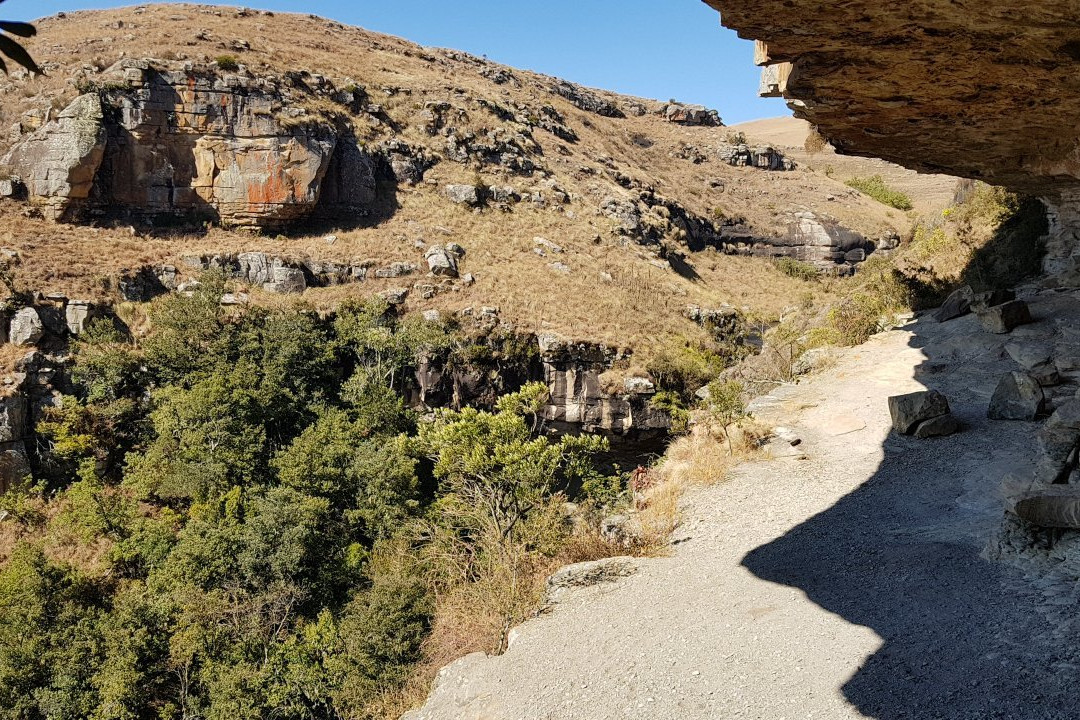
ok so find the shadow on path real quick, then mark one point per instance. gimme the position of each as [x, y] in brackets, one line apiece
[963, 637]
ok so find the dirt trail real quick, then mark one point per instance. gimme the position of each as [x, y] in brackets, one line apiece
[844, 582]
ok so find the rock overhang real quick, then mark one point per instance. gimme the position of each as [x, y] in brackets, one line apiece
[985, 90]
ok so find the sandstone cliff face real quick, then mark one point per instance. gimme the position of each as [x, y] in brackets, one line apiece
[58, 163]
[197, 145]
[936, 86]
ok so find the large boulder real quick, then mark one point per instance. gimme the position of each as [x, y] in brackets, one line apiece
[1018, 397]
[463, 195]
[909, 410]
[76, 314]
[285, 280]
[1057, 507]
[58, 162]
[441, 262]
[1003, 318]
[1037, 360]
[26, 327]
[958, 303]
[1057, 442]
[981, 302]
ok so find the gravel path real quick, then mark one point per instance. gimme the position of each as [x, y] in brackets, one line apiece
[846, 582]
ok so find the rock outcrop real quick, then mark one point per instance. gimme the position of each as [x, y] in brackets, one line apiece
[935, 86]
[197, 144]
[572, 372]
[57, 164]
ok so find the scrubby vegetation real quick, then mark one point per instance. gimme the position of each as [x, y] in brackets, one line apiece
[228, 63]
[238, 517]
[875, 187]
[797, 269]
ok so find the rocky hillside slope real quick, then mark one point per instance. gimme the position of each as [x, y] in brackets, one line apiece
[174, 128]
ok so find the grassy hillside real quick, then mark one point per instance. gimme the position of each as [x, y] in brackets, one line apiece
[616, 291]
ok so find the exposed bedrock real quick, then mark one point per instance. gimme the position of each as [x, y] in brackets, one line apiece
[194, 144]
[981, 90]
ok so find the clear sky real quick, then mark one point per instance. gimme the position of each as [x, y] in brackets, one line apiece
[653, 48]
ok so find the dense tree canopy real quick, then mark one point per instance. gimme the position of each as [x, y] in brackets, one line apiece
[238, 517]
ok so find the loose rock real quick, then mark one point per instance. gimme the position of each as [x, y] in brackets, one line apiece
[913, 408]
[26, 327]
[1005, 317]
[956, 305]
[1018, 397]
[937, 427]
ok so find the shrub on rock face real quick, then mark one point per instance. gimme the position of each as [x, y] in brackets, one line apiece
[228, 63]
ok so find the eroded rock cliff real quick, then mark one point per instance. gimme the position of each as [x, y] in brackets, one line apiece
[198, 144]
[981, 91]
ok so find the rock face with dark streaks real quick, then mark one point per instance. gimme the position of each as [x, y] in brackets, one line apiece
[195, 144]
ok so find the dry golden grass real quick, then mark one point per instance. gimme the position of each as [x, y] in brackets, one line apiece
[697, 459]
[477, 616]
[639, 307]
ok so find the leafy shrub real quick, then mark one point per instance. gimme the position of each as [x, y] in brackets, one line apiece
[875, 187]
[671, 403]
[228, 63]
[684, 367]
[725, 406]
[797, 269]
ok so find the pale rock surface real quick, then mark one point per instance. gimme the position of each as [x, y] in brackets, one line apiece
[26, 327]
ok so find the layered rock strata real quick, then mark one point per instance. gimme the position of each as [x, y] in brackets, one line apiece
[196, 144]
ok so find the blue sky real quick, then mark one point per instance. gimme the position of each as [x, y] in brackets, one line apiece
[654, 48]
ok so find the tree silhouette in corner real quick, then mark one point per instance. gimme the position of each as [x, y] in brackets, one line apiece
[12, 49]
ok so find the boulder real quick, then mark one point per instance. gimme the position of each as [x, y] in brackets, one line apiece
[639, 385]
[441, 263]
[1037, 360]
[285, 280]
[395, 296]
[463, 195]
[1018, 397]
[1051, 508]
[939, 426]
[26, 327]
[691, 115]
[983, 301]
[909, 410]
[958, 303]
[1057, 441]
[255, 267]
[1005, 317]
[393, 270]
[76, 315]
[545, 244]
[763, 158]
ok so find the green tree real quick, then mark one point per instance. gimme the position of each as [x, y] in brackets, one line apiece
[207, 438]
[726, 406]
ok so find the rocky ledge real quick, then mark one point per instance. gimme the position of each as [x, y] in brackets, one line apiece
[196, 144]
